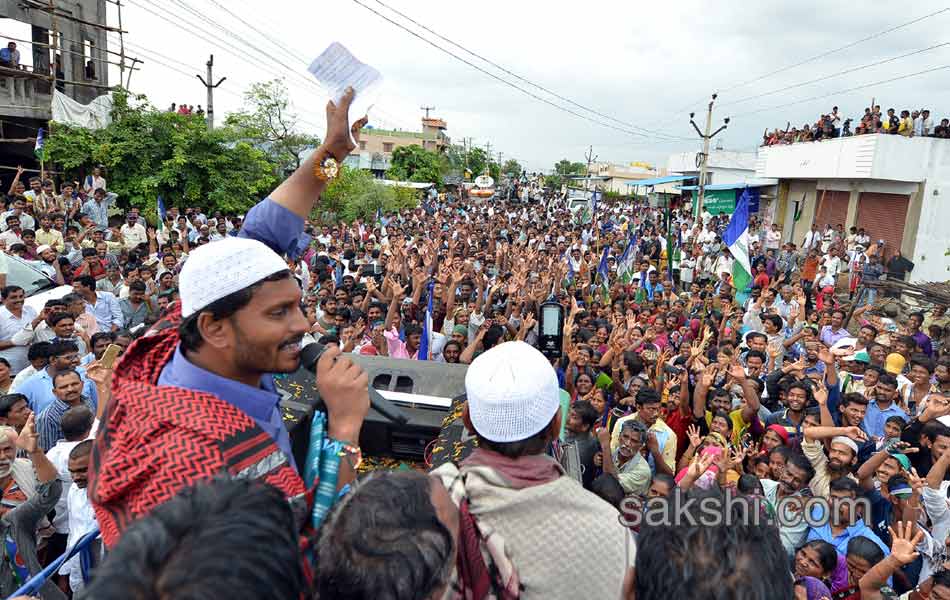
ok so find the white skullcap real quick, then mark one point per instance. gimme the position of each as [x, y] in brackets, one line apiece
[840, 439]
[512, 392]
[216, 270]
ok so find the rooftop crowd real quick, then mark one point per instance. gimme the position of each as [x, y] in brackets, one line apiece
[680, 387]
[908, 123]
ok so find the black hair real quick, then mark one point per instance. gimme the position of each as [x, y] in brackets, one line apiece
[76, 423]
[799, 461]
[60, 348]
[100, 335]
[38, 350]
[922, 360]
[608, 488]
[695, 560]
[845, 484]
[774, 319]
[854, 398]
[648, 395]
[941, 577]
[725, 416]
[863, 547]
[748, 484]
[88, 252]
[896, 419]
[63, 373]
[8, 401]
[222, 526]
[756, 354]
[872, 328]
[405, 555]
[827, 555]
[586, 412]
[5, 292]
[887, 379]
[55, 318]
[87, 281]
[222, 308]
[755, 335]
[137, 286]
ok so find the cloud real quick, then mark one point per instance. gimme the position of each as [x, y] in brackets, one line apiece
[647, 64]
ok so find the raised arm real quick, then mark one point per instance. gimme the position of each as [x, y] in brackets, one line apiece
[300, 192]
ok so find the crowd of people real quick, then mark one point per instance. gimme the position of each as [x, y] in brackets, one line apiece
[908, 123]
[788, 395]
[186, 109]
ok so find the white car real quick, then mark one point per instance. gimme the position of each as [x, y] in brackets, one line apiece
[38, 286]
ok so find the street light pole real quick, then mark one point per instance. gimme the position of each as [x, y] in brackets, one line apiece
[703, 158]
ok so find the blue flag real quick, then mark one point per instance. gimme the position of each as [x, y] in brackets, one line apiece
[160, 209]
[424, 344]
[603, 271]
[40, 148]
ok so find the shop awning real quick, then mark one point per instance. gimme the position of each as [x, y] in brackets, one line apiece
[732, 186]
[659, 180]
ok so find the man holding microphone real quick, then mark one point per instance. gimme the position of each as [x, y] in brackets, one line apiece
[195, 398]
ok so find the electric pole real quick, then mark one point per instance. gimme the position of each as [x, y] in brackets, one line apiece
[209, 115]
[703, 157]
[427, 109]
[591, 157]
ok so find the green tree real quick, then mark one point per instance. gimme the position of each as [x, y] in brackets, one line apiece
[268, 122]
[512, 168]
[150, 153]
[414, 163]
[477, 161]
[562, 170]
[355, 193]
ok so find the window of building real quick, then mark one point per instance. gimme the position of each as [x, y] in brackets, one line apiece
[387, 146]
[362, 145]
[89, 65]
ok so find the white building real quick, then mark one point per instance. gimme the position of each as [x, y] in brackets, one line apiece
[727, 173]
[888, 184]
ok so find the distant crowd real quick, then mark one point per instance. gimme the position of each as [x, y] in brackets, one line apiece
[186, 109]
[917, 123]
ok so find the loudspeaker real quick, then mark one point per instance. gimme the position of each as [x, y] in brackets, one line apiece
[423, 390]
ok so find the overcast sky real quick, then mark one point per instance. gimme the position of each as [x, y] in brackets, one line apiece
[646, 64]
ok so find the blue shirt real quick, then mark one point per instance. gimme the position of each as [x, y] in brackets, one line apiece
[874, 418]
[48, 422]
[260, 403]
[840, 541]
[99, 213]
[38, 390]
[279, 229]
[107, 311]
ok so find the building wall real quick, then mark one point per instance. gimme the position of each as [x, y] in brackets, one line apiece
[73, 34]
[896, 185]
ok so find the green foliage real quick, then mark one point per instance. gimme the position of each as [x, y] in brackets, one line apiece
[414, 163]
[512, 168]
[268, 123]
[477, 161]
[562, 170]
[356, 194]
[148, 153]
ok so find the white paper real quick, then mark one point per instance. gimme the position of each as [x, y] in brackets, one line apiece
[337, 68]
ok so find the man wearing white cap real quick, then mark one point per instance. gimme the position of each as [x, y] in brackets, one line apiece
[196, 397]
[48, 263]
[549, 536]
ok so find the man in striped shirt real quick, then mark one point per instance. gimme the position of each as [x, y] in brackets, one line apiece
[67, 387]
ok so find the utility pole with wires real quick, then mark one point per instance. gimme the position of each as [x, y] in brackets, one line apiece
[591, 157]
[209, 115]
[427, 109]
[703, 157]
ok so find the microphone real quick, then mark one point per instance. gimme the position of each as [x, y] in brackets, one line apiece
[311, 353]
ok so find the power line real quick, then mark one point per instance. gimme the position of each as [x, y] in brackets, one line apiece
[496, 77]
[295, 56]
[816, 57]
[837, 74]
[836, 50]
[519, 77]
[845, 91]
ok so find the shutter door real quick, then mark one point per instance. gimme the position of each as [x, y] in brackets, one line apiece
[832, 208]
[882, 216]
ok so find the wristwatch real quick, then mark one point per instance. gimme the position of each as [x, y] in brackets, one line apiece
[325, 167]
